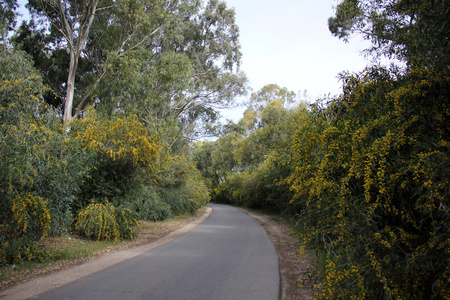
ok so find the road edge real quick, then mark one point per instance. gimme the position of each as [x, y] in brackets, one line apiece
[41, 284]
[289, 263]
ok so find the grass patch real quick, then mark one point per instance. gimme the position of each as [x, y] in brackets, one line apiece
[65, 248]
[75, 247]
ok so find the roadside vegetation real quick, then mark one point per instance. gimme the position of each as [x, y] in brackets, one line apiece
[65, 251]
[103, 108]
[99, 102]
[364, 173]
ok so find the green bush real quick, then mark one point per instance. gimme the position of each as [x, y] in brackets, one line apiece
[158, 211]
[110, 178]
[148, 205]
[13, 251]
[181, 186]
[127, 223]
[98, 221]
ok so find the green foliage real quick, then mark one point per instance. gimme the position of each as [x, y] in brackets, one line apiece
[249, 165]
[148, 205]
[173, 64]
[19, 250]
[196, 192]
[181, 186]
[127, 223]
[7, 18]
[111, 179]
[215, 160]
[49, 174]
[270, 93]
[413, 31]
[39, 168]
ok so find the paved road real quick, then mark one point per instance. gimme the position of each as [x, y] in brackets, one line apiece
[229, 256]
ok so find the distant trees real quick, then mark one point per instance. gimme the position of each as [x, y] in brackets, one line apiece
[248, 165]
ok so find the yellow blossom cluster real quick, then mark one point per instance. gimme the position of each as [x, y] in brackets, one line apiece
[27, 206]
[118, 138]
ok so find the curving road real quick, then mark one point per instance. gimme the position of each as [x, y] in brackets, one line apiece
[228, 256]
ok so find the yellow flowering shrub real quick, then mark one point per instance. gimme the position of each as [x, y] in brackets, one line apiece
[13, 251]
[125, 156]
[98, 221]
[102, 221]
[117, 138]
[372, 179]
[126, 222]
[27, 208]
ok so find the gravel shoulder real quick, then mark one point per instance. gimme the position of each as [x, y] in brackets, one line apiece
[149, 238]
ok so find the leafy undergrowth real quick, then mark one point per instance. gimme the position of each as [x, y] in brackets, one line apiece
[73, 249]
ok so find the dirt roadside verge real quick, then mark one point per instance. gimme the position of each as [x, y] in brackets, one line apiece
[43, 280]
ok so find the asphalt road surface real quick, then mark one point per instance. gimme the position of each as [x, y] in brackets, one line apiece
[228, 256]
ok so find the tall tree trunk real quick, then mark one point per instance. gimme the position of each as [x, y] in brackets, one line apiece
[68, 104]
[76, 46]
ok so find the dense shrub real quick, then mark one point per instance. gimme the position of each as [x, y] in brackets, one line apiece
[14, 251]
[98, 221]
[102, 221]
[371, 175]
[148, 205]
[181, 186]
[109, 178]
[127, 223]
[195, 192]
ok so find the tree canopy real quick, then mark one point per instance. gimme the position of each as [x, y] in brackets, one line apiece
[414, 31]
[173, 63]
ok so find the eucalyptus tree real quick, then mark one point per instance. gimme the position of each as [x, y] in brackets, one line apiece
[188, 71]
[78, 26]
[415, 31]
[173, 63]
[7, 18]
[270, 93]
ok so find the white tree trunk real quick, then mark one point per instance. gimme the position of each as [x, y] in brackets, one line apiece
[68, 104]
[75, 49]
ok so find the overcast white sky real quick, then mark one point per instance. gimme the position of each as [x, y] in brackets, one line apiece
[287, 42]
